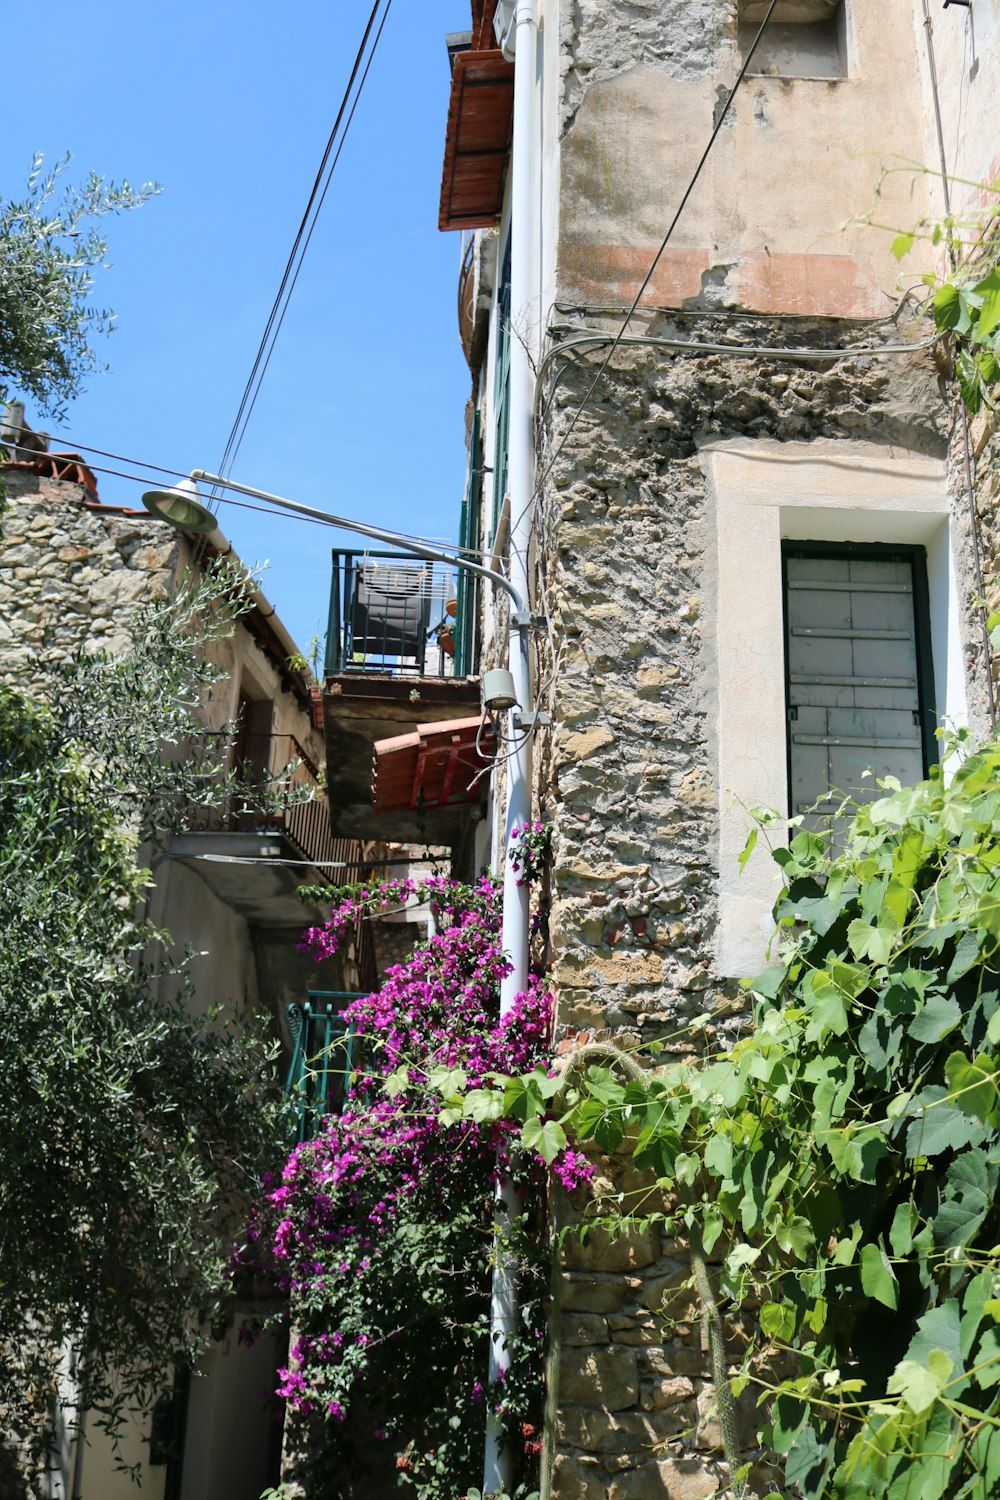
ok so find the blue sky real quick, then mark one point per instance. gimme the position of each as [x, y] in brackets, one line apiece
[228, 106]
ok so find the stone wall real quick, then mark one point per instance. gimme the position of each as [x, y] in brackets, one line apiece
[632, 780]
[984, 446]
[629, 779]
[69, 573]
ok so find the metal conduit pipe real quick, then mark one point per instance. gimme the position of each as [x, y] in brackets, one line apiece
[498, 1466]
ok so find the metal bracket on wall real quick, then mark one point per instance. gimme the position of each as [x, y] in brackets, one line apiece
[523, 619]
[531, 721]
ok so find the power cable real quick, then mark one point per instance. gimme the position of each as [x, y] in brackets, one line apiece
[74, 444]
[970, 482]
[301, 242]
[806, 354]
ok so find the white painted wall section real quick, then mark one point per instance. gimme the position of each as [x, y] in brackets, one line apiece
[763, 492]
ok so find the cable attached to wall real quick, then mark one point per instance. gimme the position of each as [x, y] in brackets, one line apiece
[302, 239]
[970, 482]
[716, 129]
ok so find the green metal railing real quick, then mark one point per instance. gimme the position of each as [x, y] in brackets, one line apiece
[397, 614]
[322, 1058]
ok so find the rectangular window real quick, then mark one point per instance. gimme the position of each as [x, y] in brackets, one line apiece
[804, 38]
[858, 674]
[252, 746]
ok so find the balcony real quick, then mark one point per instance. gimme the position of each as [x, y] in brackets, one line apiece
[282, 842]
[322, 1058]
[395, 614]
[402, 648]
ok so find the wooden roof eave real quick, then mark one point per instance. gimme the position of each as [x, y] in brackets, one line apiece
[477, 140]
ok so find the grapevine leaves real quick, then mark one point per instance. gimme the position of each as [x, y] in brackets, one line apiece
[845, 1153]
[970, 309]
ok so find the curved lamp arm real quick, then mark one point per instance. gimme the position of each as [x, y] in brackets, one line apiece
[181, 507]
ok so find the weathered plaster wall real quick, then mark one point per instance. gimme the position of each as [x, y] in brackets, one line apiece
[796, 160]
[966, 48]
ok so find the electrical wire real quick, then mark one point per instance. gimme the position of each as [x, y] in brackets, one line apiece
[970, 482]
[121, 458]
[806, 354]
[301, 242]
[247, 859]
[737, 314]
[144, 479]
[488, 764]
[720, 121]
[265, 510]
[477, 554]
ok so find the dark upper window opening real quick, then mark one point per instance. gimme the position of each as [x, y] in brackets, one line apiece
[804, 38]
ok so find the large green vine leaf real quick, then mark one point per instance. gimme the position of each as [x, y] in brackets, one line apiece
[847, 1150]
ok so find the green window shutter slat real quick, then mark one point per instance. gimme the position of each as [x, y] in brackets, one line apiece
[858, 678]
[322, 1058]
[465, 623]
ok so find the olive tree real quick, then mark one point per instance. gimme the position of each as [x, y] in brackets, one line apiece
[132, 1130]
[51, 245]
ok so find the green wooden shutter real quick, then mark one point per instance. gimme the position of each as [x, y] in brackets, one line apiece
[468, 536]
[322, 1058]
[858, 670]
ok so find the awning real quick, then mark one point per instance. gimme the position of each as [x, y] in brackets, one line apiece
[477, 140]
[437, 765]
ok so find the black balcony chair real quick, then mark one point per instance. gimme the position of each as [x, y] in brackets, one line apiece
[390, 612]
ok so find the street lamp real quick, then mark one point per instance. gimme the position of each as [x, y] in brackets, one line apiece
[180, 506]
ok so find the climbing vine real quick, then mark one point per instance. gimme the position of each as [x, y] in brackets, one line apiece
[840, 1162]
[964, 302]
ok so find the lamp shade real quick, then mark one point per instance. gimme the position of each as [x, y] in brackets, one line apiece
[181, 507]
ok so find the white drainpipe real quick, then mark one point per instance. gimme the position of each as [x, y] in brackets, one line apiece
[520, 483]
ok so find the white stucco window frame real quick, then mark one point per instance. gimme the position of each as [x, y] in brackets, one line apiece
[763, 492]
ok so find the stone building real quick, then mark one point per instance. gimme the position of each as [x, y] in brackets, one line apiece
[746, 514]
[71, 572]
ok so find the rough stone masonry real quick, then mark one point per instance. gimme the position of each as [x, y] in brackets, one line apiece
[629, 780]
[69, 573]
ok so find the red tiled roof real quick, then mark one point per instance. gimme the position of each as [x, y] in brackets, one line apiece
[68, 466]
[433, 766]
